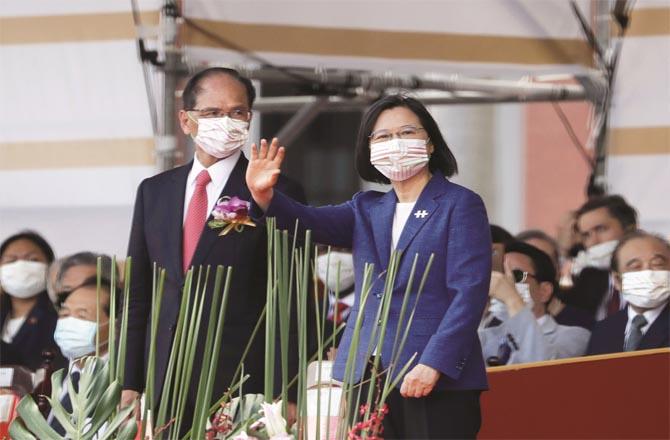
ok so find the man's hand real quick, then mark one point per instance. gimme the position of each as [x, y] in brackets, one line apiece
[127, 399]
[263, 171]
[502, 288]
[419, 382]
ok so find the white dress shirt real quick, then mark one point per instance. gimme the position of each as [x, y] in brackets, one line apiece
[12, 327]
[650, 315]
[219, 173]
[402, 212]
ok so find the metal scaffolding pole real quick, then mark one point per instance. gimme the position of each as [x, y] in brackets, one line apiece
[166, 140]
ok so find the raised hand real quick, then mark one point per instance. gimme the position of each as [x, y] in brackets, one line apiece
[263, 171]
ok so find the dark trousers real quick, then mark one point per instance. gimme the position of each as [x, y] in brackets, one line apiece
[439, 415]
[451, 414]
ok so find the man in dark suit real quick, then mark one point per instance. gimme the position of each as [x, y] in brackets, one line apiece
[170, 228]
[641, 266]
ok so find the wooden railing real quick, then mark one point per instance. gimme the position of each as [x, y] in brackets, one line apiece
[623, 396]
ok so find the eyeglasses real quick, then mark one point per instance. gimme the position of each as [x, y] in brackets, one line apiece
[238, 114]
[520, 276]
[404, 132]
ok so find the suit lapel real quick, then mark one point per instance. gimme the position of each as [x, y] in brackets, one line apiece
[381, 217]
[173, 237]
[657, 336]
[423, 210]
[235, 186]
[618, 337]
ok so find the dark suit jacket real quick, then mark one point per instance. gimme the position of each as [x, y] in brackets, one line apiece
[589, 289]
[156, 236]
[35, 335]
[574, 316]
[450, 222]
[608, 335]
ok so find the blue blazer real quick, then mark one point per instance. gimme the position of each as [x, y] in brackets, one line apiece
[456, 230]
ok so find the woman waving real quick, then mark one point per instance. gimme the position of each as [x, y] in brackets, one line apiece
[399, 142]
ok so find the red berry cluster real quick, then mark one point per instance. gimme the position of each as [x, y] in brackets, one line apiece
[221, 424]
[372, 427]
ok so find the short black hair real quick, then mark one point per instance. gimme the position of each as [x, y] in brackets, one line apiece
[92, 282]
[542, 265]
[539, 234]
[442, 159]
[616, 206]
[33, 236]
[192, 89]
[638, 233]
[85, 259]
[500, 235]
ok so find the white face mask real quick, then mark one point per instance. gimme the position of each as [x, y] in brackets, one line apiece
[399, 159]
[75, 337]
[329, 267]
[221, 137]
[646, 288]
[23, 279]
[523, 290]
[598, 256]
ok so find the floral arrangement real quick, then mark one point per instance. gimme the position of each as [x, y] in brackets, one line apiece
[230, 213]
[236, 416]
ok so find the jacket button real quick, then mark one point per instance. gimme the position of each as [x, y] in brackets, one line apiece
[379, 322]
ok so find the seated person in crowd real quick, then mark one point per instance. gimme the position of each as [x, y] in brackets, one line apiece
[27, 316]
[601, 222]
[564, 314]
[77, 268]
[76, 332]
[641, 269]
[528, 333]
[495, 309]
[339, 290]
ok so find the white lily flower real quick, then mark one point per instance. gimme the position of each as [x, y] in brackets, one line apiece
[275, 425]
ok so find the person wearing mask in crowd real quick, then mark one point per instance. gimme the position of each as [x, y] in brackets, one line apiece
[641, 272]
[27, 316]
[564, 314]
[529, 333]
[77, 331]
[601, 222]
[339, 289]
[77, 268]
[495, 310]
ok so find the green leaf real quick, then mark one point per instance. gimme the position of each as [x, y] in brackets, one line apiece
[97, 388]
[128, 430]
[121, 418]
[106, 405]
[216, 224]
[63, 417]
[18, 431]
[33, 420]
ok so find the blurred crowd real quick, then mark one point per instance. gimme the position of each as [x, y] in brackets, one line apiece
[600, 286]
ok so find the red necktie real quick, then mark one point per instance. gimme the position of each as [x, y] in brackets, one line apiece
[339, 312]
[195, 218]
